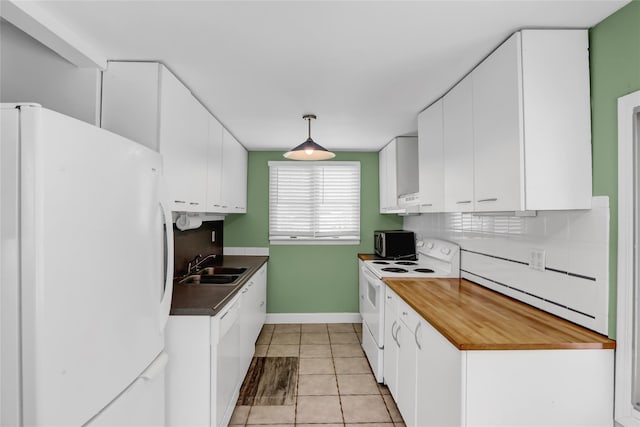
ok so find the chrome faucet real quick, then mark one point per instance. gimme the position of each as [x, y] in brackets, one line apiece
[196, 262]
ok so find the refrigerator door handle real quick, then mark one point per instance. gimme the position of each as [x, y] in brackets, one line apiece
[156, 367]
[165, 303]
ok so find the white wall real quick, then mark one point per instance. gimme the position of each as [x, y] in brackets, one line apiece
[496, 252]
[31, 72]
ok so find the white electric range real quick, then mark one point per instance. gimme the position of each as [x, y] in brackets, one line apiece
[436, 259]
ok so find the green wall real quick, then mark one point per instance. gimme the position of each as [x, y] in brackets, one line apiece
[615, 71]
[309, 278]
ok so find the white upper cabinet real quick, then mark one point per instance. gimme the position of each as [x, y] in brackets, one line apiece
[214, 169]
[183, 131]
[516, 132]
[388, 179]
[145, 102]
[234, 175]
[407, 170]
[398, 167]
[458, 147]
[431, 159]
[497, 136]
[531, 123]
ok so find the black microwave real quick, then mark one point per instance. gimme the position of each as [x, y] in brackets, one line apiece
[395, 244]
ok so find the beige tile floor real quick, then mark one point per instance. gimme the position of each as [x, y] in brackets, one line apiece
[335, 384]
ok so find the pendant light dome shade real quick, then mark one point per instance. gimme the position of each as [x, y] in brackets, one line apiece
[309, 150]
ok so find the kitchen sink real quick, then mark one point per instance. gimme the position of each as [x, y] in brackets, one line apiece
[222, 270]
[209, 279]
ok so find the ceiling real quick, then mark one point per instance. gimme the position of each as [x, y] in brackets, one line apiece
[365, 68]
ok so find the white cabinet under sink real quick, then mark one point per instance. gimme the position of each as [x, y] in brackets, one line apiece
[209, 356]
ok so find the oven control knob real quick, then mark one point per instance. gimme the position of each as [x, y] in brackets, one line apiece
[445, 251]
[430, 245]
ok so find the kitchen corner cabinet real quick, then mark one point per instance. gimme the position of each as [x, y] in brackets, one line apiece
[458, 147]
[209, 357]
[431, 159]
[531, 123]
[145, 102]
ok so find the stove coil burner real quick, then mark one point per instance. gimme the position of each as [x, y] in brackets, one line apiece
[405, 263]
[423, 270]
[381, 262]
[395, 270]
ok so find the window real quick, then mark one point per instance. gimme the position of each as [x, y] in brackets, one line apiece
[314, 202]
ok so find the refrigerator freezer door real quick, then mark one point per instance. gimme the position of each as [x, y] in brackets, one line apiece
[93, 275]
[9, 269]
[142, 404]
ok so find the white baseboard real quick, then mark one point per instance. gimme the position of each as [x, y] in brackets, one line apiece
[313, 318]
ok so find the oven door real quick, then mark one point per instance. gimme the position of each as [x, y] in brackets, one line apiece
[372, 305]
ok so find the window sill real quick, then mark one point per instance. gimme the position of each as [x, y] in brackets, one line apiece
[318, 242]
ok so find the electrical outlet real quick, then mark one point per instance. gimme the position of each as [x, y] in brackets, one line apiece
[537, 259]
[213, 237]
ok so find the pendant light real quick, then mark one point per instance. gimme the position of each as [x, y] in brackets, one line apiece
[309, 150]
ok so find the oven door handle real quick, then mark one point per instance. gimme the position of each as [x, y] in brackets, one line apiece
[373, 280]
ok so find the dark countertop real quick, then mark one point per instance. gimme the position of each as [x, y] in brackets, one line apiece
[207, 300]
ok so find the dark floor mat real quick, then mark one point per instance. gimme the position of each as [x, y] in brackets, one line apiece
[270, 381]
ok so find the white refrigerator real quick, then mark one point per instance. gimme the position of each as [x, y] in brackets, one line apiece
[86, 269]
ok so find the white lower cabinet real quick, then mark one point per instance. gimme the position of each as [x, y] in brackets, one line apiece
[210, 355]
[252, 315]
[436, 384]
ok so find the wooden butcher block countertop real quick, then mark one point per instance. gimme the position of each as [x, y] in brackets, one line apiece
[472, 317]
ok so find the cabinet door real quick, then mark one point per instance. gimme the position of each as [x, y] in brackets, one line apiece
[431, 159]
[234, 174]
[391, 202]
[260, 284]
[439, 372]
[214, 166]
[497, 131]
[390, 360]
[458, 147]
[407, 349]
[407, 168]
[183, 144]
[382, 178]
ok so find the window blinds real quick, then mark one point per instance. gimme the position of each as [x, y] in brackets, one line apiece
[314, 201]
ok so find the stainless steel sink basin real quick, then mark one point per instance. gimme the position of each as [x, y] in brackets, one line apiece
[222, 270]
[210, 279]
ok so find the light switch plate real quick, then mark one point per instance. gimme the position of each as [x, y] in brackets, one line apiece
[537, 259]
[213, 237]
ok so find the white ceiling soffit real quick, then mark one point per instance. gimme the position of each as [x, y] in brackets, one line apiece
[364, 68]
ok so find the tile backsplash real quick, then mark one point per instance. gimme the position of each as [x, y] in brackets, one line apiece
[496, 252]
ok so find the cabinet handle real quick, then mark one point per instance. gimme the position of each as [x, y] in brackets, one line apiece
[179, 201]
[427, 204]
[244, 291]
[224, 315]
[217, 206]
[462, 202]
[415, 336]
[225, 207]
[262, 303]
[194, 203]
[404, 313]
[388, 297]
[492, 199]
